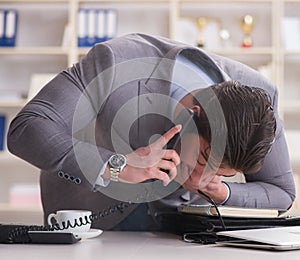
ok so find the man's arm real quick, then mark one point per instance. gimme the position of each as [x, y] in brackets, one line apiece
[46, 132]
[273, 186]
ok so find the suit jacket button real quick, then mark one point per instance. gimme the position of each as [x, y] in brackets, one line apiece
[60, 174]
[77, 181]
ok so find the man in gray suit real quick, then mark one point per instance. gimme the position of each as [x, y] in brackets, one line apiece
[98, 131]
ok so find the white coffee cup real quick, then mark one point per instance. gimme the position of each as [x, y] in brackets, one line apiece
[71, 220]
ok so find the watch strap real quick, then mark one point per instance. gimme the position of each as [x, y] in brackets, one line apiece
[114, 174]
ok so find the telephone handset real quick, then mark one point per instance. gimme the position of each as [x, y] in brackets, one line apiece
[187, 119]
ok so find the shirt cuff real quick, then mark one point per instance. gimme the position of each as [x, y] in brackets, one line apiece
[100, 181]
[228, 193]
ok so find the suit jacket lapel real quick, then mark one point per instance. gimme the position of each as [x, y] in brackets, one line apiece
[153, 92]
[153, 109]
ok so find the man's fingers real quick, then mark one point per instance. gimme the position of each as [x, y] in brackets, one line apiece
[160, 174]
[172, 174]
[213, 184]
[166, 165]
[172, 155]
[215, 180]
[166, 137]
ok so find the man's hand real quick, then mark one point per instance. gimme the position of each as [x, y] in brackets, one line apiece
[149, 162]
[216, 189]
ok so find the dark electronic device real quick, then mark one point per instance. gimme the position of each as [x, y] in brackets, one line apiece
[187, 119]
[22, 234]
[50, 237]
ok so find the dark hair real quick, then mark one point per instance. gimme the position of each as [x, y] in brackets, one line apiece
[247, 119]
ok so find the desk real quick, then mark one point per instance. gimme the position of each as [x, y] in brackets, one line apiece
[137, 245]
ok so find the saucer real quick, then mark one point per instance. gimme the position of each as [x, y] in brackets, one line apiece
[89, 234]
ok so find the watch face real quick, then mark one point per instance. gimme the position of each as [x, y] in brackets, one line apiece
[117, 160]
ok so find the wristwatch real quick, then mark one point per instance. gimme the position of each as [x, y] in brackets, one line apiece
[117, 162]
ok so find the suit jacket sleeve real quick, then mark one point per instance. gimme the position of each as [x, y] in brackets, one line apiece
[273, 186]
[44, 132]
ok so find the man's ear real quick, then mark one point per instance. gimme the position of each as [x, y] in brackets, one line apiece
[197, 110]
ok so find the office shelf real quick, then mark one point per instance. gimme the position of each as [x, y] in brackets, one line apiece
[33, 51]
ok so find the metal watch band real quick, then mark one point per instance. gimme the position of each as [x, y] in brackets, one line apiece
[114, 174]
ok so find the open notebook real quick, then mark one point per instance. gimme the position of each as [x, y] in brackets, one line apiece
[277, 238]
[226, 211]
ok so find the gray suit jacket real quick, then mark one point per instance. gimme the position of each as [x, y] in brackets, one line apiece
[127, 74]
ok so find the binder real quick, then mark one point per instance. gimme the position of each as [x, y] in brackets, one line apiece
[91, 28]
[82, 27]
[2, 132]
[111, 26]
[96, 25]
[11, 27]
[101, 24]
[8, 27]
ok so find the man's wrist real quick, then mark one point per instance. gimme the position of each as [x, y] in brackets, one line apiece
[103, 177]
[228, 193]
[116, 162]
[106, 173]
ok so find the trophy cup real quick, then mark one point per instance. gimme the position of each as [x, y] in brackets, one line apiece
[247, 27]
[201, 22]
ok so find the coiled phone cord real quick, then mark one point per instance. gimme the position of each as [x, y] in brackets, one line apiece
[19, 233]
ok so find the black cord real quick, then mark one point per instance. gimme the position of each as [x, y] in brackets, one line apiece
[19, 233]
[216, 207]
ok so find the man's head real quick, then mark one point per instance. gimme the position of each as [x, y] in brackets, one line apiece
[249, 119]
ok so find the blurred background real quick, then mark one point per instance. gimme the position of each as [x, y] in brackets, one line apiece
[40, 38]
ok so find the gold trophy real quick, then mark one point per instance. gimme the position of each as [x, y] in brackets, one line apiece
[201, 22]
[247, 27]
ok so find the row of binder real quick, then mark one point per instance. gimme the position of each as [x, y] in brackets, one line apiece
[96, 25]
[8, 27]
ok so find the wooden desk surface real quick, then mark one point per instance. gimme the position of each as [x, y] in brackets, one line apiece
[137, 245]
